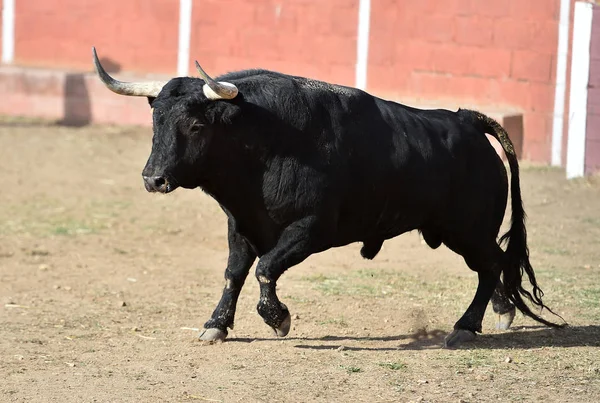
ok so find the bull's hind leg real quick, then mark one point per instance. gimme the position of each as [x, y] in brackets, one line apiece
[502, 307]
[241, 257]
[488, 268]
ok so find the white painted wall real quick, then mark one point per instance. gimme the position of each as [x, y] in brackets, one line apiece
[561, 82]
[185, 31]
[362, 43]
[580, 74]
[8, 31]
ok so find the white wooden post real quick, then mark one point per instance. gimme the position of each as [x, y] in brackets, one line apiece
[561, 82]
[185, 31]
[580, 74]
[362, 43]
[8, 31]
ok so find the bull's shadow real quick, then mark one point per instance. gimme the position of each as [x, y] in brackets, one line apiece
[522, 337]
[77, 103]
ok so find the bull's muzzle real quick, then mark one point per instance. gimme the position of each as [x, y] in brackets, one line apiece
[157, 184]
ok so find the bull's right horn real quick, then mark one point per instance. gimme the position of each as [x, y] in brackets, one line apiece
[147, 89]
[216, 90]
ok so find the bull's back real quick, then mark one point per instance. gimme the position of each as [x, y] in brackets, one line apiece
[410, 167]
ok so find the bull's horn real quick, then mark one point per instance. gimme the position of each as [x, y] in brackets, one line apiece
[216, 90]
[147, 89]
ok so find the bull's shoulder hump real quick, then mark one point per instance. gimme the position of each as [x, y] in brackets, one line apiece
[249, 74]
[316, 85]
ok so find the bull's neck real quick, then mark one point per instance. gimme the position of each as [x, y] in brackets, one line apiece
[230, 173]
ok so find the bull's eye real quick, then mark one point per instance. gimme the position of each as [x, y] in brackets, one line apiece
[196, 127]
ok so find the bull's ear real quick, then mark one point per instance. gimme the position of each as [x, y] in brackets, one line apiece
[151, 100]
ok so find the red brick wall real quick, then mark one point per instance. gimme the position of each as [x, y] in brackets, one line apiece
[592, 141]
[305, 37]
[139, 35]
[488, 53]
[474, 52]
[314, 38]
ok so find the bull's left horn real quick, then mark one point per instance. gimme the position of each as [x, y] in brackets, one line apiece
[216, 90]
[147, 89]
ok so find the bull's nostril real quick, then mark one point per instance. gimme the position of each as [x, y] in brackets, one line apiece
[155, 183]
[159, 181]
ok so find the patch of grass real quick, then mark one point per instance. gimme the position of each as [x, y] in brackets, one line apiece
[45, 216]
[473, 359]
[369, 273]
[570, 292]
[338, 287]
[357, 283]
[315, 278]
[557, 251]
[331, 287]
[350, 369]
[394, 366]
[365, 290]
[73, 228]
[327, 285]
[386, 284]
[60, 231]
[590, 297]
[299, 300]
[591, 220]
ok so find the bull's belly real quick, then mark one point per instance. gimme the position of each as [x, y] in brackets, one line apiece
[365, 227]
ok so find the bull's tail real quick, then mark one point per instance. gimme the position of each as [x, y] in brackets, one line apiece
[517, 252]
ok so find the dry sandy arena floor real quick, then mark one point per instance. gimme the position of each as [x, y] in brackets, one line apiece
[103, 287]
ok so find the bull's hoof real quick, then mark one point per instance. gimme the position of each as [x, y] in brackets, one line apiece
[505, 320]
[284, 328]
[212, 335]
[457, 337]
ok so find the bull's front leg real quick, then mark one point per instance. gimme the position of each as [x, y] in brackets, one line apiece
[241, 258]
[296, 243]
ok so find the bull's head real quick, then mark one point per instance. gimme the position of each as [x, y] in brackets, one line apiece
[182, 124]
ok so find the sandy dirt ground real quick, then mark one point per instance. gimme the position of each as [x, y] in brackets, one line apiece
[103, 287]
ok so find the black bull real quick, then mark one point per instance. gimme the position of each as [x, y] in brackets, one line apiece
[300, 166]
